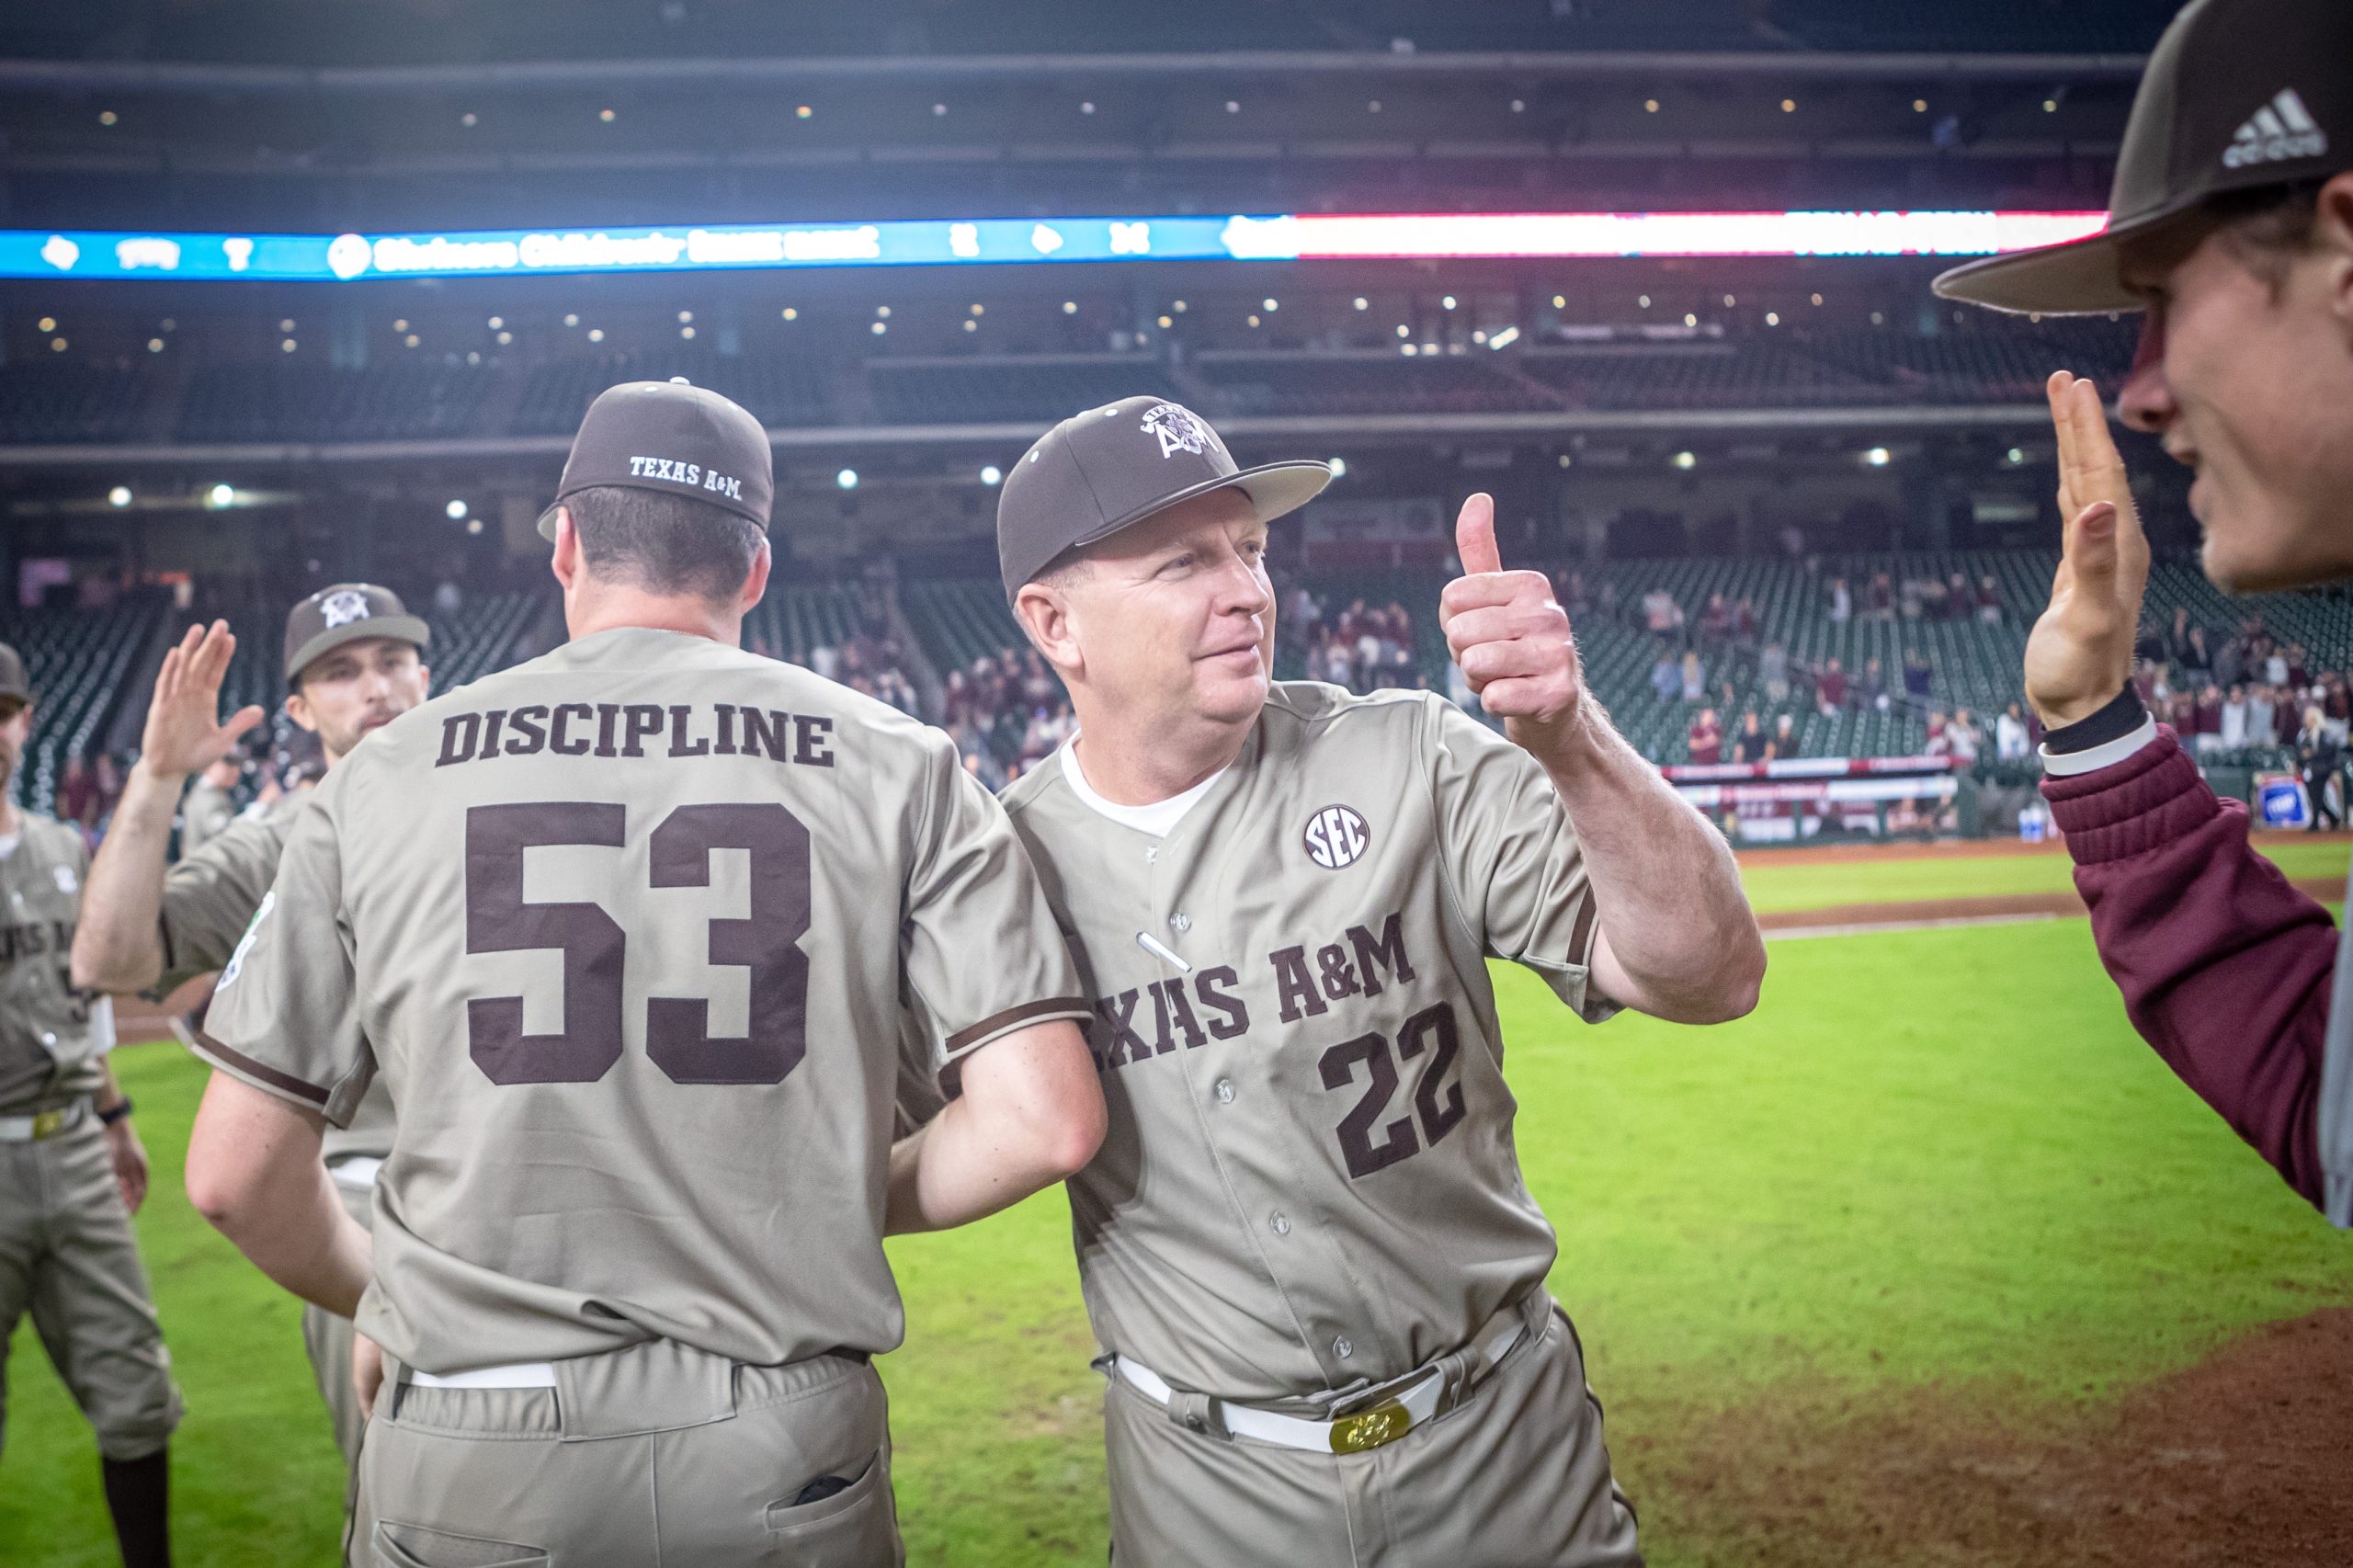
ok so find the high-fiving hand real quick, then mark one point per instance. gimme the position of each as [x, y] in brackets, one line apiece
[1511, 637]
[2079, 655]
[184, 731]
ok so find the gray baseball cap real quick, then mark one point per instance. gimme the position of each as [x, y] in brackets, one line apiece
[14, 686]
[346, 612]
[1096, 473]
[673, 438]
[2239, 95]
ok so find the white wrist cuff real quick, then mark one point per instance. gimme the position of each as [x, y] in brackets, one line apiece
[2067, 764]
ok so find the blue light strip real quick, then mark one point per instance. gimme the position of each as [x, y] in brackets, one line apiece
[996, 241]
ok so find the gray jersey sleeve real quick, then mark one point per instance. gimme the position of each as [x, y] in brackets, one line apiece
[982, 954]
[1512, 857]
[210, 897]
[285, 1016]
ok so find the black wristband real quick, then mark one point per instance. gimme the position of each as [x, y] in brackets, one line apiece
[115, 1112]
[2124, 713]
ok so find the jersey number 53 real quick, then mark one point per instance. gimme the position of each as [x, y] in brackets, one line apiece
[677, 1032]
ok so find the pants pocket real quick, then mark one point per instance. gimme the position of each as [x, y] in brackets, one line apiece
[855, 1527]
[414, 1546]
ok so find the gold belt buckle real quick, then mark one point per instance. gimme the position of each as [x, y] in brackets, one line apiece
[1384, 1423]
[46, 1123]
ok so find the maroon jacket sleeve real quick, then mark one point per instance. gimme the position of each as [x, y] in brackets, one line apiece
[2225, 968]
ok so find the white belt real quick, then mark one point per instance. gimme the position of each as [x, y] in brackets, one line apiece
[1384, 1422]
[44, 1123]
[356, 1170]
[515, 1375]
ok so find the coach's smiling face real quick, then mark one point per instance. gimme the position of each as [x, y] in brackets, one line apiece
[1172, 618]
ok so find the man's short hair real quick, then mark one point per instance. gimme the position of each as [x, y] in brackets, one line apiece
[2266, 226]
[664, 543]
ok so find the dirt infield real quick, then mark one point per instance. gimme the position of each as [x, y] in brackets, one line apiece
[2244, 1459]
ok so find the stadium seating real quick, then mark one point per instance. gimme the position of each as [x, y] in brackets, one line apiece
[399, 401]
[960, 622]
[777, 389]
[1369, 381]
[43, 404]
[797, 617]
[1034, 389]
[79, 663]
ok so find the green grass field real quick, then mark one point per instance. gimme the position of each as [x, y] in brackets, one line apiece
[1933, 1158]
[1774, 887]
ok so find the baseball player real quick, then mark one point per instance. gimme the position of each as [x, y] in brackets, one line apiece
[354, 663]
[1306, 1247]
[209, 809]
[72, 1171]
[626, 930]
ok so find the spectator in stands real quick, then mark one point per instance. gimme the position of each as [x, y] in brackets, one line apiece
[1715, 622]
[2206, 717]
[1842, 602]
[1940, 744]
[2235, 717]
[1830, 688]
[1785, 738]
[2259, 731]
[1661, 615]
[445, 598]
[1705, 739]
[2335, 708]
[1989, 600]
[2195, 662]
[2320, 755]
[1882, 601]
[1918, 675]
[2230, 662]
[1695, 675]
[826, 661]
[2275, 666]
[1962, 741]
[2175, 644]
[1743, 619]
[1874, 685]
[1752, 744]
[2009, 735]
[1773, 670]
[77, 795]
[1961, 599]
[2299, 674]
[1666, 677]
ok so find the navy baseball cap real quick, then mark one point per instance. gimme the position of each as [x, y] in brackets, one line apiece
[676, 439]
[1097, 472]
[2239, 95]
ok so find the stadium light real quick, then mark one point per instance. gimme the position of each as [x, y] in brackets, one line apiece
[456, 509]
[108, 117]
[1269, 303]
[47, 324]
[991, 474]
[1339, 468]
[847, 479]
[155, 346]
[1505, 339]
[1447, 303]
[119, 496]
[2017, 456]
[1686, 462]
[1878, 457]
[1361, 303]
[473, 525]
[220, 495]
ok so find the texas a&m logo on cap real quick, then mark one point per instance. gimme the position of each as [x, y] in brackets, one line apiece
[343, 606]
[1338, 836]
[1179, 429]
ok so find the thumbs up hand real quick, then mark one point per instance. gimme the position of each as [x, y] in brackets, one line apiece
[1511, 638]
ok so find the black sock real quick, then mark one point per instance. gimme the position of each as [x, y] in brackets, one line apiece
[138, 1496]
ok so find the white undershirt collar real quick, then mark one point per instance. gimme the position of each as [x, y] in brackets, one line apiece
[1158, 819]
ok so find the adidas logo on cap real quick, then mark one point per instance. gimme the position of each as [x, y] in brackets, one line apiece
[2279, 130]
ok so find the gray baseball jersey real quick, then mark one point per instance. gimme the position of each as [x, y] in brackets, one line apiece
[50, 1034]
[625, 928]
[1310, 1179]
[205, 814]
[210, 900]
